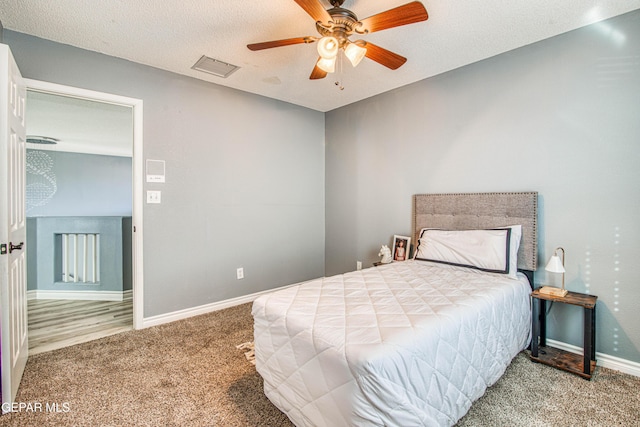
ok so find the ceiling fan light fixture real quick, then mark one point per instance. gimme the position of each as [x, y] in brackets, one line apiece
[354, 53]
[328, 47]
[327, 65]
[337, 24]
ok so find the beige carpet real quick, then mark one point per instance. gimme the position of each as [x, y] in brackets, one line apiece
[190, 373]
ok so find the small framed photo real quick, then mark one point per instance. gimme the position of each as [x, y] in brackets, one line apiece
[401, 247]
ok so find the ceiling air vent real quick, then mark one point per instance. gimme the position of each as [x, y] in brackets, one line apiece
[215, 67]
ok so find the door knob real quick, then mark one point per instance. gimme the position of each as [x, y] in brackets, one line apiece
[13, 247]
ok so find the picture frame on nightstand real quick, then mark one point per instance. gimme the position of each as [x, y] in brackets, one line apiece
[401, 248]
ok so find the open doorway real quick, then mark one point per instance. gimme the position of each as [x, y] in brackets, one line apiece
[84, 215]
[78, 203]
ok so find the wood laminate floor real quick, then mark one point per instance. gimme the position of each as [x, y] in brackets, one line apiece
[56, 324]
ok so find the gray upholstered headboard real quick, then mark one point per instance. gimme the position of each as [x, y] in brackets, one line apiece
[466, 211]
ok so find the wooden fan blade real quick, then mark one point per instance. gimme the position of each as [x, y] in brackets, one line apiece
[315, 9]
[401, 15]
[317, 72]
[278, 43]
[384, 57]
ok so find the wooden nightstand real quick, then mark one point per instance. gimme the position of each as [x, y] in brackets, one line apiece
[581, 365]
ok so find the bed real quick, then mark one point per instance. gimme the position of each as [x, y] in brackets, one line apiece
[408, 343]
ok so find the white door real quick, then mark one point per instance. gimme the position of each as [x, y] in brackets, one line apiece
[13, 286]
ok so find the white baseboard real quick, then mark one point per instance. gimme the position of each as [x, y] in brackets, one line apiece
[602, 359]
[203, 309]
[79, 295]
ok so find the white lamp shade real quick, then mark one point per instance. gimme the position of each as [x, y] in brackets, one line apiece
[327, 65]
[555, 265]
[328, 47]
[354, 53]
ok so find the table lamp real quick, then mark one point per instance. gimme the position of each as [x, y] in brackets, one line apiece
[555, 265]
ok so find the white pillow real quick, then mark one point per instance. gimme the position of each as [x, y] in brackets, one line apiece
[493, 250]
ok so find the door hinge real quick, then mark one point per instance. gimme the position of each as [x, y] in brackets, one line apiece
[3, 249]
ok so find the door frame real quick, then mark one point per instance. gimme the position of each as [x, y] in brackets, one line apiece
[138, 168]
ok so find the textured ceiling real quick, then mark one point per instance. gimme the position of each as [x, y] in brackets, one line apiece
[174, 34]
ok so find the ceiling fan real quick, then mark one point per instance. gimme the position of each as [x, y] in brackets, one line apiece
[336, 25]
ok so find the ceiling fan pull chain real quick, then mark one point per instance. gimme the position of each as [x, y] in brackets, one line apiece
[337, 82]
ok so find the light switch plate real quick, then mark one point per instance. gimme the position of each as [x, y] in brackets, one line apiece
[154, 196]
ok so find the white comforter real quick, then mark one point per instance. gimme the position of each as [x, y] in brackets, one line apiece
[405, 344]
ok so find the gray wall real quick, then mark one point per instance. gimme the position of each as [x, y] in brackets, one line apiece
[246, 174]
[560, 117]
[85, 184]
[245, 177]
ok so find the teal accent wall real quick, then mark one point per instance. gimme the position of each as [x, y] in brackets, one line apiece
[71, 192]
[44, 263]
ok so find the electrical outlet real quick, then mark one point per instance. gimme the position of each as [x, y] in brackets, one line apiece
[358, 265]
[240, 273]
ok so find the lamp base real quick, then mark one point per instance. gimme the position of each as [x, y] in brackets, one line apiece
[550, 290]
